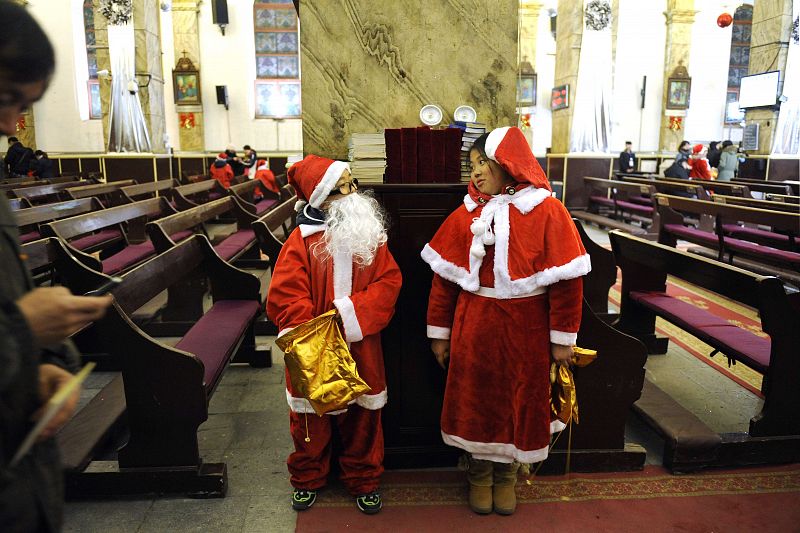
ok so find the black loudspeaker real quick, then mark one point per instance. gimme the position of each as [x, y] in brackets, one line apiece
[219, 12]
[222, 95]
[644, 90]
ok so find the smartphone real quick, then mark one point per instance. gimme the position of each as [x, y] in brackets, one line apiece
[105, 288]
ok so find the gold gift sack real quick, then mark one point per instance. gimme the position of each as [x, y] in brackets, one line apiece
[320, 366]
[563, 396]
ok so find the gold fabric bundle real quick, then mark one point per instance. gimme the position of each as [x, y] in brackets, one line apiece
[563, 396]
[320, 366]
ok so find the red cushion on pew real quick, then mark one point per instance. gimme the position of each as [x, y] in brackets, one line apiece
[602, 200]
[213, 338]
[692, 234]
[94, 239]
[745, 346]
[678, 311]
[744, 232]
[130, 255]
[635, 208]
[756, 250]
[181, 235]
[235, 243]
[644, 200]
[213, 195]
[264, 205]
[30, 236]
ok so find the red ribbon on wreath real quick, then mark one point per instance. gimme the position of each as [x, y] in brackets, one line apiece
[20, 123]
[675, 123]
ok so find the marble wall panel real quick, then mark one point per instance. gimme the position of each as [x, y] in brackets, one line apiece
[569, 33]
[369, 65]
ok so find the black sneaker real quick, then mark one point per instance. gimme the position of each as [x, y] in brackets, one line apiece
[303, 499]
[369, 503]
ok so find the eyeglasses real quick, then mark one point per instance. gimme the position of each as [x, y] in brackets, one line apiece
[347, 187]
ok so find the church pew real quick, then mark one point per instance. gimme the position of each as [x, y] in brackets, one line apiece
[18, 203]
[778, 246]
[44, 193]
[167, 388]
[107, 193]
[601, 278]
[774, 187]
[604, 195]
[103, 231]
[194, 194]
[274, 228]
[774, 433]
[753, 202]
[253, 196]
[8, 188]
[784, 198]
[29, 219]
[151, 189]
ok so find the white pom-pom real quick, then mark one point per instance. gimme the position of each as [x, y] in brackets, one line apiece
[299, 205]
[478, 227]
[476, 250]
[488, 238]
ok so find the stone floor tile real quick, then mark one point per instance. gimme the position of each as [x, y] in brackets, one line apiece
[214, 515]
[105, 516]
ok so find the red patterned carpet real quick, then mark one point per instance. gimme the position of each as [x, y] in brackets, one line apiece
[756, 499]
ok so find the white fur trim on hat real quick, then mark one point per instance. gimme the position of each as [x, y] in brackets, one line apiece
[493, 141]
[327, 183]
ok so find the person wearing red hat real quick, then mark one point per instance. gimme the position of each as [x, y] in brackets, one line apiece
[699, 163]
[505, 300]
[221, 171]
[266, 176]
[337, 258]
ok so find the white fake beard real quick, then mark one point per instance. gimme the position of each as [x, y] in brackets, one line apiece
[356, 224]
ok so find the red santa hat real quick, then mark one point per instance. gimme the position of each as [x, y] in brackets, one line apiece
[697, 148]
[222, 157]
[509, 148]
[261, 164]
[314, 178]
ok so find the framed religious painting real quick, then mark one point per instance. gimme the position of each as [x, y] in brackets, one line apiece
[186, 83]
[526, 90]
[678, 90]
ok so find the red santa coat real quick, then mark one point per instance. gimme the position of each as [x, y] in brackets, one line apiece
[267, 177]
[501, 304]
[304, 287]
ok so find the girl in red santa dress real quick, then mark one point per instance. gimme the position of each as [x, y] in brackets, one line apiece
[505, 300]
[337, 258]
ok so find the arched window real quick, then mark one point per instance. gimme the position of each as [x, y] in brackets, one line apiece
[93, 86]
[277, 39]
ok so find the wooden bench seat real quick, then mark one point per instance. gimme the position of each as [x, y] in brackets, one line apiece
[253, 196]
[18, 203]
[167, 389]
[150, 189]
[274, 228]
[194, 194]
[108, 193]
[50, 192]
[753, 202]
[606, 222]
[28, 219]
[774, 433]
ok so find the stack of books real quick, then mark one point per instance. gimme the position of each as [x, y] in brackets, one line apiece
[367, 155]
[470, 132]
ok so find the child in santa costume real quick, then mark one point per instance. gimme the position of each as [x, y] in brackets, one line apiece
[221, 171]
[266, 176]
[700, 169]
[337, 258]
[506, 298]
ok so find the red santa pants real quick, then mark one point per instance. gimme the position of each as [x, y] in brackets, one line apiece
[361, 459]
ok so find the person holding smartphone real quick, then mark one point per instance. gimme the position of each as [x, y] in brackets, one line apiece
[36, 359]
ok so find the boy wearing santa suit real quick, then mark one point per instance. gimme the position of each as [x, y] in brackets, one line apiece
[221, 171]
[337, 258]
[699, 163]
[506, 298]
[266, 176]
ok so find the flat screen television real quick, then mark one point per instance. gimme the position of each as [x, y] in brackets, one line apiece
[759, 90]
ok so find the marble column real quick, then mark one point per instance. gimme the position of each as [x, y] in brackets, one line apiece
[371, 65]
[186, 35]
[569, 33]
[528, 30]
[103, 63]
[679, 19]
[769, 48]
[147, 35]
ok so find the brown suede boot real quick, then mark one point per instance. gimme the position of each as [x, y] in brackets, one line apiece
[503, 494]
[480, 486]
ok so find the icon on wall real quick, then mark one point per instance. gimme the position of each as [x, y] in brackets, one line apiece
[186, 82]
[679, 87]
[559, 97]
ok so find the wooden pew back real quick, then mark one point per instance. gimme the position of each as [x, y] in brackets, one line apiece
[150, 189]
[69, 228]
[671, 186]
[56, 211]
[100, 189]
[274, 228]
[39, 191]
[760, 204]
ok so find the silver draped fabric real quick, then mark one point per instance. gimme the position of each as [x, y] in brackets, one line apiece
[127, 130]
[591, 121]
[787, 132]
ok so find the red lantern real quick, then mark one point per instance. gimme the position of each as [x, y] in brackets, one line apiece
[724, 20]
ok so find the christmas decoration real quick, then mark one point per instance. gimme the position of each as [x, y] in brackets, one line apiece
[525, 121]
[724, 20]
[117, 12]
[20, 123]
[675, 123]
[598, 15]
[187, 121]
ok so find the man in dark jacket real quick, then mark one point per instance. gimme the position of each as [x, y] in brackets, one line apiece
[42, 166]
[627, 159]
[14, 155]
[35, 358]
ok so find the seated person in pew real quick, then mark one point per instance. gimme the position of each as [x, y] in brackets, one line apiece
[337, 258]
[221, 170]
[267, 177]
[680, 167]
[699, 163]
[35, 356]
[505, 301]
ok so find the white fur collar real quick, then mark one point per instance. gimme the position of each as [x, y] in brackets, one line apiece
[525, 200]
[311, 229]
